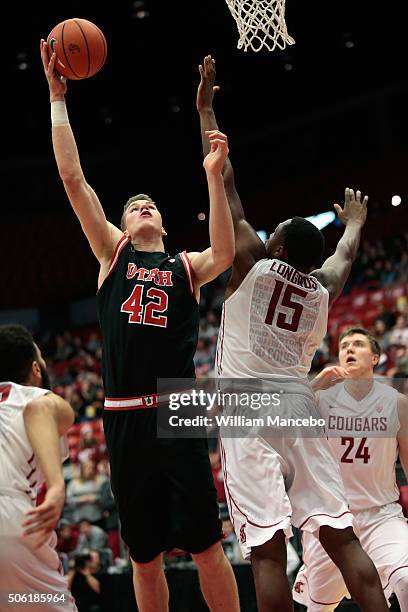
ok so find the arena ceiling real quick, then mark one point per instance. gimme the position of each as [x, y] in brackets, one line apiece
[327, 113]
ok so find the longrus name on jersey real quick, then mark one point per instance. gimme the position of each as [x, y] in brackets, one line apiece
[293, 276]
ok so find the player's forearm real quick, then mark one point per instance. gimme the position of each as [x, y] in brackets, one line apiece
[42, 432]
[208, 121]
[63, 140]
[347, 247]
[220, 223]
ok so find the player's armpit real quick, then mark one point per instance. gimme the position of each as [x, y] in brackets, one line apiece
[249, 249]
[333, 279]
[206, 266]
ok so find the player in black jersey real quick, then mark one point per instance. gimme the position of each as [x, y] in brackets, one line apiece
[148, 311]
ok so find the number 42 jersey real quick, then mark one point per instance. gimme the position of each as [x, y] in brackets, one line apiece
[272, 324]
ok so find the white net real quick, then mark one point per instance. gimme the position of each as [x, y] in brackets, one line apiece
[261, 23]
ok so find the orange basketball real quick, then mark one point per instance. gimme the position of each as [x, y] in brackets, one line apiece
[80, 47]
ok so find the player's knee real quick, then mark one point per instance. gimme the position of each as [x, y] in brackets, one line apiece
[211, 558]
[149, 570]
[274, 550]
[337, 541]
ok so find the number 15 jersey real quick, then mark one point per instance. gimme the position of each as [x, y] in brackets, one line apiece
[272, 324]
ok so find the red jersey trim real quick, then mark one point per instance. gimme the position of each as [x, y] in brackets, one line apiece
[323, 514]
[117, 252]
[189, 269]
[118, 249]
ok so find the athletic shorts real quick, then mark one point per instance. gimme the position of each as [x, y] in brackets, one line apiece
[383, 534]
[26, 570]
[273, 483]
[164, 488]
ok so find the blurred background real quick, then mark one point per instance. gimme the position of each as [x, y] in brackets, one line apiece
[303, 124]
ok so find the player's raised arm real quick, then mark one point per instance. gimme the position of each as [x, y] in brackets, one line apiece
[102, 236]
[402, 435]
[46, 419]
[336, 269]
[249, 248]
[219, 257]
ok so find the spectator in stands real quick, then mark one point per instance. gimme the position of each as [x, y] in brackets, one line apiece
[64, 349]
[92, 537]
[96, 562]
[203, 359]
[209, 326]
[94, 343]
[388, 274]
[381, 334]
[89, 447]
[75, 399]
[386, 316]
[68, 537]
[83, 494]
[399, 333]
[83, 586]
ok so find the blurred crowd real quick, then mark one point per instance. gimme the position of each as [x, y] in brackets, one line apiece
[89, 532]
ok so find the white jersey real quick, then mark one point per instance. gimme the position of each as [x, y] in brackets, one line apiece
[367, 462]
[19, 472]
[272, 324]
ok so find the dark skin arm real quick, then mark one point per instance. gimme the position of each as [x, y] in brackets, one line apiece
[249, 248]
[336, 269]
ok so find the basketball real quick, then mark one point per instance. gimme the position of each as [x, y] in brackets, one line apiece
[80, 47]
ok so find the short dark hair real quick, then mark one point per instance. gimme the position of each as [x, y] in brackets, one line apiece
[375, 347]
[81, 560]
[139, 196]
[17, 353]
[304, 244]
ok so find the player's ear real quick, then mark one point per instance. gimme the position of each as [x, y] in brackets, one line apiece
[376, 359]
[126, 233]
[163, 232]
[35, 374]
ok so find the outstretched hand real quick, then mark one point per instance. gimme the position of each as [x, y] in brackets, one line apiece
[354, 210]
[214, 161]
[206, 88]
[56, 83]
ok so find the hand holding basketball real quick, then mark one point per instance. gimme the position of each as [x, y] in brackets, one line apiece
[214, 161]
[80, 47]
[56, 83]
[354, 210]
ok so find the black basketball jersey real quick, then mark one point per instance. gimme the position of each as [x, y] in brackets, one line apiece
[149, 318]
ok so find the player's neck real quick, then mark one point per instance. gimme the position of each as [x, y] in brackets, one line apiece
[152, 245]
[359, 387]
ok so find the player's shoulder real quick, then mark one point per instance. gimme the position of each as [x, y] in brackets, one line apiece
[17, 396]
[383, 389]
[332, 395]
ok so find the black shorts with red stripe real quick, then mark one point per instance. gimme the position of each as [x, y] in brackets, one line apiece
[163, 488]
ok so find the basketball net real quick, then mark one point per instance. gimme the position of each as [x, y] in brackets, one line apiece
[261, 23]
